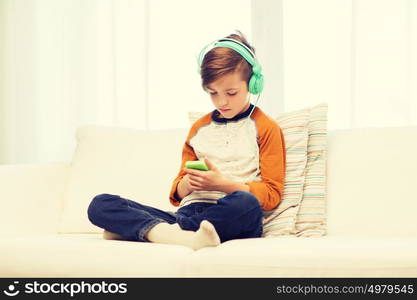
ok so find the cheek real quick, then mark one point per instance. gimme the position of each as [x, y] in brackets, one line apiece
[242, 99]
[218, 100]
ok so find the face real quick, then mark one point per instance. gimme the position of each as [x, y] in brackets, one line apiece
[229, 95]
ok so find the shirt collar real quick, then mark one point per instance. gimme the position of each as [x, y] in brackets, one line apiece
[215, 115]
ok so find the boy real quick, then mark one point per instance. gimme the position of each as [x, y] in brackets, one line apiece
[245, 153]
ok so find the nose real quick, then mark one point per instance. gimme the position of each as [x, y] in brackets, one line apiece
[222, 102]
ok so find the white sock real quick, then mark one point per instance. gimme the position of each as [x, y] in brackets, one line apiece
[205, 236]
[107, 235]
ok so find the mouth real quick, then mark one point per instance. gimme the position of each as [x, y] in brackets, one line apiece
[224, 110]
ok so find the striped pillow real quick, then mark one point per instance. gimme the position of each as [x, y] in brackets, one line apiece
[281, 220]
[311, 217]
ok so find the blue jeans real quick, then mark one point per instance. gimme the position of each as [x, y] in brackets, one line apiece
[237, 215]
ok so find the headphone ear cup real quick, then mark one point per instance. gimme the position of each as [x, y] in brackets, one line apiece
[252, 89]
[256, 83]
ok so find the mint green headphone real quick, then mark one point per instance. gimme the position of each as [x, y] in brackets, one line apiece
[256, 82]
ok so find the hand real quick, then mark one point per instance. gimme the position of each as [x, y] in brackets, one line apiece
[211, 180]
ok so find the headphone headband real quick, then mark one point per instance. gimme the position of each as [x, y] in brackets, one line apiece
[239, 47]
[256, 81]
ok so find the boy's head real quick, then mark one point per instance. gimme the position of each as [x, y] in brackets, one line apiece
[225, 76]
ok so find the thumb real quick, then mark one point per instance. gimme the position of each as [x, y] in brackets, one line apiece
[209, 164]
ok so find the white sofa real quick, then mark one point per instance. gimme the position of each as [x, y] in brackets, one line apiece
[371, 212]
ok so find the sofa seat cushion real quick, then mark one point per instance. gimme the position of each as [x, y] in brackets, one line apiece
[289, 256]
[88, 255]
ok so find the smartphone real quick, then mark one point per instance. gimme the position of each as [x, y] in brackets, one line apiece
[196, 164]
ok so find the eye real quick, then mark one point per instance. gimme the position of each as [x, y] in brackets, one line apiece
[229, 94]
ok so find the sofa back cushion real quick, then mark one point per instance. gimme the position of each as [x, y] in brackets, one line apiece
[135, 164]
[372, 181]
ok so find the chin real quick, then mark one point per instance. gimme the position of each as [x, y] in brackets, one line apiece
[228, 115]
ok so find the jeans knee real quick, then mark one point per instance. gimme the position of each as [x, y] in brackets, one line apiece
[249, 199]
[96, 206]
[252, 204]
[244, 201]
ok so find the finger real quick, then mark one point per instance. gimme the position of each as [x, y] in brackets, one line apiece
[195, 182]
[209, 164]
[197, 177]
[195, 187]
[192, 172]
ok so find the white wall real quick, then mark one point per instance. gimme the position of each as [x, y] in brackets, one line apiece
[175, 41]
[132, 63]
[64, 64]
[129, 63]
[268, 39]
[358, 56]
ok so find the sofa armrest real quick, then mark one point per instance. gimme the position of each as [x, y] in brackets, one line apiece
[32, 197]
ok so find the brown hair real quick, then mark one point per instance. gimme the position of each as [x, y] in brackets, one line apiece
[221, 61]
